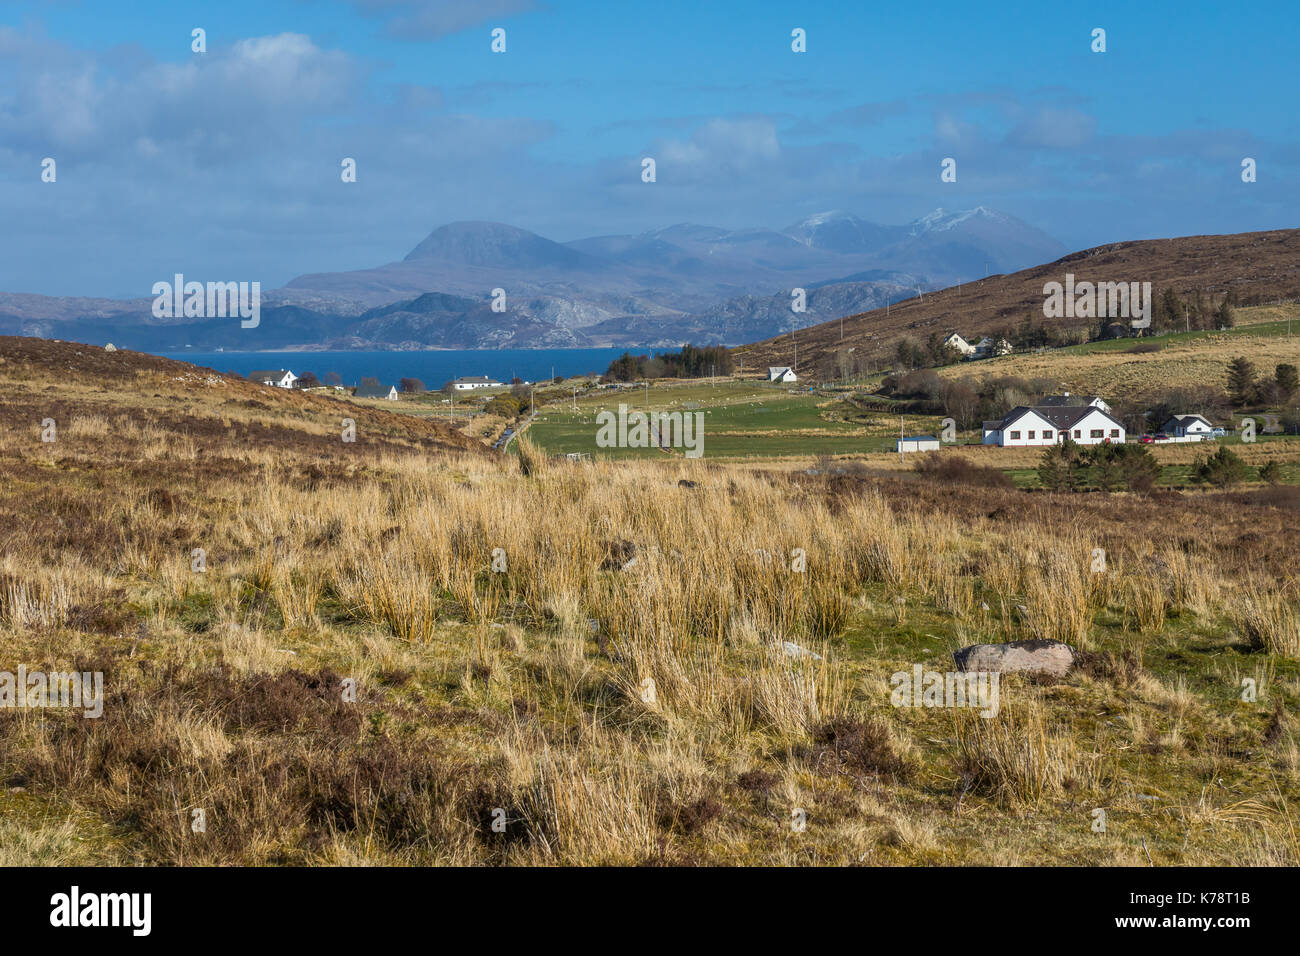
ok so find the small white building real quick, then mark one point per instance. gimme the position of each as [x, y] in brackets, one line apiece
[955, 341]
[1050, 425]
[386, 392]
[472, 382]
[917, 443]
[1188, 428]
[781, 373]
[279, 377]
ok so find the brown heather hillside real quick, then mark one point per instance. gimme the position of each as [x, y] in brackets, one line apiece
[1256, 267]
[88, 389]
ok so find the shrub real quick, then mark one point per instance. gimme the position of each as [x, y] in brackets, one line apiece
[952, 469]
[1222, 469]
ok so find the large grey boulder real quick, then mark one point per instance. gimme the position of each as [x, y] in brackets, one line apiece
[1033, 657]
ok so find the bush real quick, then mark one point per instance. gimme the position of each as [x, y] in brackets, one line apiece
[1222, 469]
[507, 406]
[1124, 466]
[951, 469]
[1061, 467]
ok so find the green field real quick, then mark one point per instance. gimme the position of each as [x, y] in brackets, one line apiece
[741, 420]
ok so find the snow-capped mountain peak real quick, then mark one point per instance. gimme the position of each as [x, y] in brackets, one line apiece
[940, 221]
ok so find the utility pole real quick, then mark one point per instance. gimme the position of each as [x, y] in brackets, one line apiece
[900, 437]
[647, 395]
[575, 398]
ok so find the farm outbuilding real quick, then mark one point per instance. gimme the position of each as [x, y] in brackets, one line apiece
[918, 443]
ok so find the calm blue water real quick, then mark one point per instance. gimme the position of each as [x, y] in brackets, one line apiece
[433, 368]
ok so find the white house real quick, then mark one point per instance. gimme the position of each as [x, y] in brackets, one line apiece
[1188, 428]
[955, 341]
[474, 381]
[1022, 426]
[387, 392]
[917, 443]
[781, 373]
[279, 377]
[1050, 425]
[1065, 399]
[988, 348]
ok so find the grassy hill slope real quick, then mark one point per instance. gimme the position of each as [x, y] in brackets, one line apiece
[1257, 267]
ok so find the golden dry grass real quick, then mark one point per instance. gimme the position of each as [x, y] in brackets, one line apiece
[513, 664]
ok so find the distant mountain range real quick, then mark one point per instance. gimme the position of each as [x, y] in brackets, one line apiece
[682, 283]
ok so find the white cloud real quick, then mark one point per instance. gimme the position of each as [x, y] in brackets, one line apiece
[720, 146]
[1054, 128]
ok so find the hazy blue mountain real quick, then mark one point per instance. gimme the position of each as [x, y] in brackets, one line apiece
[684, 282]
[842, 232]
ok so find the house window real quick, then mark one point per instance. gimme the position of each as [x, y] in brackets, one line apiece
[1114, 433]
[1031, 436]
[1015, 436]
[1047, 434]
[1097, 433]
[1077, 433]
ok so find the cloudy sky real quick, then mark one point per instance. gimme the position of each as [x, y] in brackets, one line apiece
[226, 164]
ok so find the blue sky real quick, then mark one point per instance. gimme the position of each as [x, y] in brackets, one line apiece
[226, 164]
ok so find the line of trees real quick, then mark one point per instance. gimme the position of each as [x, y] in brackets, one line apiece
[966, 400]
[691, 362]
[1195, 312]
[1246, 388]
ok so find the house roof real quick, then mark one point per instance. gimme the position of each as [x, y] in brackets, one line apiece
[1188, 419]
[1061, 417]
[1050, 401]
[270, 373]
[920, 438]
[778, 369]
[373, 391]
[477, 380]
